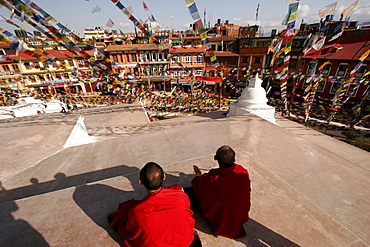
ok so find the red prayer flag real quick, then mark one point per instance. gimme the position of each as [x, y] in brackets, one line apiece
[35, 6]
[29, 52]
[145, 6]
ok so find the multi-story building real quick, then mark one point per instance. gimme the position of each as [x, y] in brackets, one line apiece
[341, 56]
[61, 72]
[147, 63]
[187, 58]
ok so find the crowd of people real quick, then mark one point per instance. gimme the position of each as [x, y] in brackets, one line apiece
[321, 111]
[178, 101]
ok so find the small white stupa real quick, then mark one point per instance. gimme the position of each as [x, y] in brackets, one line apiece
[253, 100]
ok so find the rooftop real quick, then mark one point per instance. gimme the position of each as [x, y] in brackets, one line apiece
[308, 189]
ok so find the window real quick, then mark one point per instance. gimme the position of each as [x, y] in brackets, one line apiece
[246, 43]
[335, 87]
[32, 78]
[6, 68]
[154, 56]
[311, 66]
[16, 68]
[80, 63]
[198, 58]
[257, 59]
[321, 86]
[114, 58]
[254, 43]
[133, 58]
[41, 78]
[244, 59]
[70, 63]
[186, 59]
[263, 43]
[352, 90]
[342, 69]
[142, 57]
[326, 69]
[361, 71]
[58, 76]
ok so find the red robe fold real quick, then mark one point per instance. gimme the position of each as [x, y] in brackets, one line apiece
[224, 197]
[160, 219]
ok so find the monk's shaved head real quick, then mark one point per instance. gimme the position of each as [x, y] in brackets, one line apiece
[152, 175]
[225, 156]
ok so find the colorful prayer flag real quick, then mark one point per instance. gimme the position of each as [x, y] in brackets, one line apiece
[292, 13]
[365, 55]
[258, 7]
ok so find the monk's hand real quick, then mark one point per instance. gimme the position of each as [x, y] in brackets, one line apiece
[197, 170]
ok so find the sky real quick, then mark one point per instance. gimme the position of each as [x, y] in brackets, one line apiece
[174, 14]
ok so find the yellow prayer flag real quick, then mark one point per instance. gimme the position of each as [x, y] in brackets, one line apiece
[189, 2]
[52, 19]
[213, 58]
[323, 65]
[365, 55]
[5, 40]
[293, 16]
[126, 12]
[203, 36]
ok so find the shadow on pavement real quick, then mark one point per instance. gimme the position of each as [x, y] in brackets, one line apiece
[62, 182]
[17, 232]
[260, 235]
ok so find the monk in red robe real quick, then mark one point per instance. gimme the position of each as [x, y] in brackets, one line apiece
[162, 218]
[223, 195]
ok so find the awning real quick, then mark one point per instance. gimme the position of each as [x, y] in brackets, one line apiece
[211, 79]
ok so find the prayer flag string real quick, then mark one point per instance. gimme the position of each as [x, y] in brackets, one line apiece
[197, 21]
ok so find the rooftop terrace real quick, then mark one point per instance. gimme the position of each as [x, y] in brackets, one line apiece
[308, 189]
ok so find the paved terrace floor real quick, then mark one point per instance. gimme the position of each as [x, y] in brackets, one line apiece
[308, 189]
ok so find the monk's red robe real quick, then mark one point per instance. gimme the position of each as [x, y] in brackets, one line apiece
[160, 219]
[224, 198]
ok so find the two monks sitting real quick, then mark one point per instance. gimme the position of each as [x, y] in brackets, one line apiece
[163, 217]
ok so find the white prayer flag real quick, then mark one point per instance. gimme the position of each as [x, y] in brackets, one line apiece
[110, 23]
[349, 9]
[327, 10]
[319, 44]
[96, 9]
